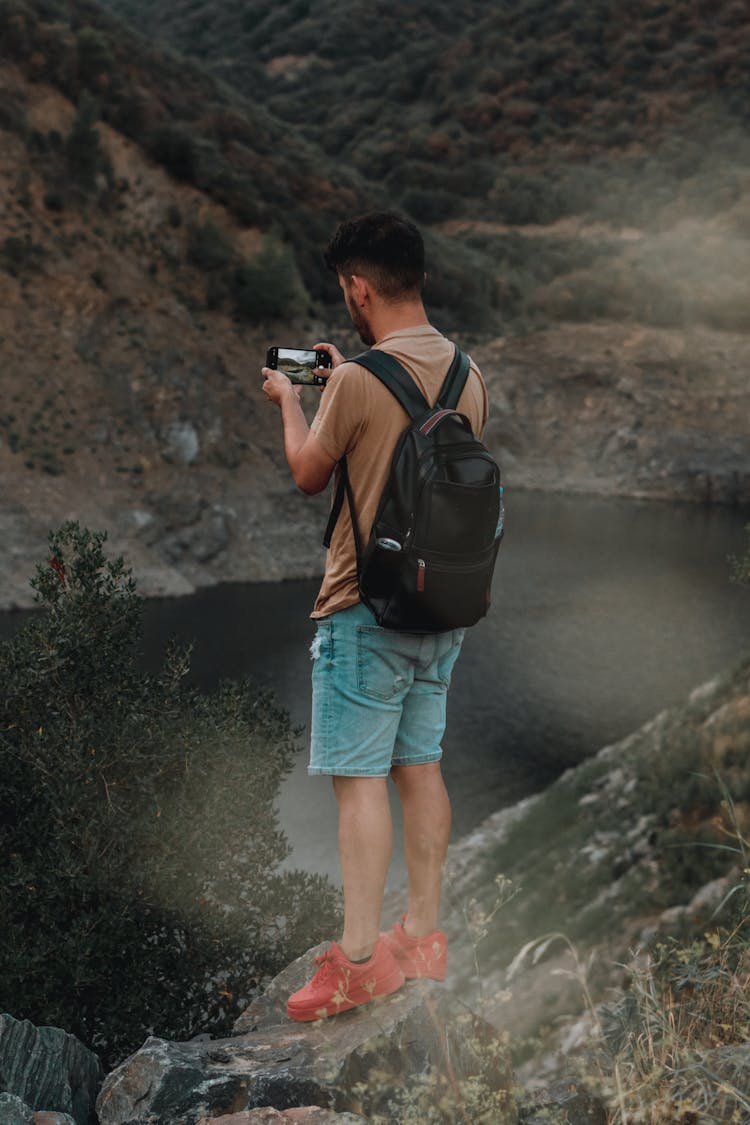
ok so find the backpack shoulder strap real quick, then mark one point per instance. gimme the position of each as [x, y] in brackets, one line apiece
[344, 491]
[393, 375]
[396, 378]
[399, 382]
[455, 381]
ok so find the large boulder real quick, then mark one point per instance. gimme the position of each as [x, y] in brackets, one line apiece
[362, 1061]
[14, 1111]
[48, 1069]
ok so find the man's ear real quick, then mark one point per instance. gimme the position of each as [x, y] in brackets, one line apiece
[359, 287]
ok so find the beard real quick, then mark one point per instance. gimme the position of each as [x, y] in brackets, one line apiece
[362, 326]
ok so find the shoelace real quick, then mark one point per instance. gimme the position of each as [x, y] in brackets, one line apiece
[326, 963]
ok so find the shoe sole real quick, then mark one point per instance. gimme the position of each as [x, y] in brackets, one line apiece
[359, 996]
[420, 974]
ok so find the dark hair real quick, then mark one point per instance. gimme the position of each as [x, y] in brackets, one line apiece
[383, 247]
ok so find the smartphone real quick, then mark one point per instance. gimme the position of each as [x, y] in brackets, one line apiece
[298, 364]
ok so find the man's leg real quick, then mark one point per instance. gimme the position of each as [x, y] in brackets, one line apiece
[363, 966]
[427, 825]
[365, 847]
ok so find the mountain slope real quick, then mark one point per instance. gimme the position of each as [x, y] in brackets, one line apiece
[467, 110]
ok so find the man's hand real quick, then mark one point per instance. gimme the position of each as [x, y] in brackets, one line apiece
[310, 464]
[276, 385]
[334, 353]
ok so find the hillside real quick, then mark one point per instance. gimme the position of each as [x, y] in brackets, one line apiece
[158, 229]
[454, 109]
[520, 114]
[603, 923]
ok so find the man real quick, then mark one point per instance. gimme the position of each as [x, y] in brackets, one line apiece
[378, 696]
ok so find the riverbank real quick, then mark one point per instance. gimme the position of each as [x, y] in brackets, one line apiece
[204, 497]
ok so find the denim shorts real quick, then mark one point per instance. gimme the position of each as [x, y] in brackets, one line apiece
[378, 696]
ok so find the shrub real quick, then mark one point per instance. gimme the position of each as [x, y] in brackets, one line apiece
[83, 149]
[17, 28]
[20, 255]
[741, 564]
[208, 247]
[95, 58]
[430, 205]
[268, 287]
[174, 147]
[12, 116]
[677, 1036]
[139, 843]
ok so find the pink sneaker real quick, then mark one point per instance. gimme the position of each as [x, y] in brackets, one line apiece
[339, 984]
[419, 957]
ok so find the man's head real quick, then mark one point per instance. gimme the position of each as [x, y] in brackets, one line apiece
[384, 251]
[384, 248]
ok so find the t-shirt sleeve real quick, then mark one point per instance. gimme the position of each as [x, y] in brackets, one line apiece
[474, 401]
[341, 414]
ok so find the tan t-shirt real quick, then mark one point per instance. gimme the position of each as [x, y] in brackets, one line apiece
[360, 417]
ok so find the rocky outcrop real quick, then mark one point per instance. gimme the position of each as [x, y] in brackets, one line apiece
[553, 903]
[14, 1111]
[48, 1070]
[564, 1103]
[306, 1115]
[622, 409]
[362, 1061]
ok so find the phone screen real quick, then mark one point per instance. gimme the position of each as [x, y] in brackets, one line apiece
[298, 364]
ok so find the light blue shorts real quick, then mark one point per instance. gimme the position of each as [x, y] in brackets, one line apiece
[378, 696]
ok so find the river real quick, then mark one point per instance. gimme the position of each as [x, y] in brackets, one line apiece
[604, 612]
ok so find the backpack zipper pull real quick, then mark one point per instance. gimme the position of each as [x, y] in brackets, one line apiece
[422, 567]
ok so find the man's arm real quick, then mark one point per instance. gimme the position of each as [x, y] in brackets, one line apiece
[310, 464]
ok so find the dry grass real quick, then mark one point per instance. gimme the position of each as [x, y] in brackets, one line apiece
[674, 1049]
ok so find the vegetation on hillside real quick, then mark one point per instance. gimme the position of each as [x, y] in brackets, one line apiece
[514, 114]
[263, 170]
[488, 109]
[741, 563]
[139, 839]
[639, 855]
[677, 1039]
[506, 115]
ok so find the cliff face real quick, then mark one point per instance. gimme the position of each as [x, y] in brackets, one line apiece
[131, 392]
[623, 410]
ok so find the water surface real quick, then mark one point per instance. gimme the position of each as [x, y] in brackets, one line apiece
[604, 612]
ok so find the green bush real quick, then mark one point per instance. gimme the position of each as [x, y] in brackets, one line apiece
[20, 255]
[83, 148]
[18, 23]
[208, 246]
[94, 56]
[741, 563]
[430, 205]
[175, 148]
[268, 286]
[139, 843]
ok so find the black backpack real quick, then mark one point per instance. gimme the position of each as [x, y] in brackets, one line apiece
[427, 566]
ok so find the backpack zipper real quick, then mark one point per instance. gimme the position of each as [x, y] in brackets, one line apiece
[480, 562]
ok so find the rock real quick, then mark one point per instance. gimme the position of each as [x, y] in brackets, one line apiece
[565, 1103]
[305, 1115]
[14, 1111]
[181, 442]
[357, 1062]
[48, 1069]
